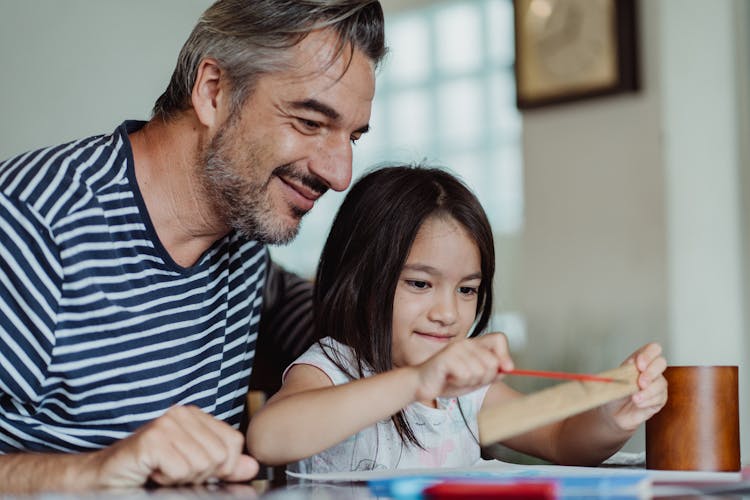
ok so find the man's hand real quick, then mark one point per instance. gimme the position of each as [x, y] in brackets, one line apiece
[183, 446]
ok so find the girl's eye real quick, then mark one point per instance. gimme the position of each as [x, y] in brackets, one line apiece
[420, 285]
[468, 290]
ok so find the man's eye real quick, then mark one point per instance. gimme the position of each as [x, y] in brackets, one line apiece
[309, 124]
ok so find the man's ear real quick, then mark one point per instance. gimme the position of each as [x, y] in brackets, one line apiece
[207, 92]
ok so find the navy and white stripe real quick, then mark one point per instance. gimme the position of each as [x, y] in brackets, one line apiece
[100, 330]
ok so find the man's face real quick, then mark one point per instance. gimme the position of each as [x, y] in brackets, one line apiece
[291, 141]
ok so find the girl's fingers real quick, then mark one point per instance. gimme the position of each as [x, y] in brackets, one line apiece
[654, 394]
[475, 362]
[646, 355]
[643, 355]
[498, 344]
[653, 372]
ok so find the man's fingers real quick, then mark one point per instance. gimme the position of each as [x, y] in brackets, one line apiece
[183, 446]
[215, 448]
[221, 444]
[189, 451]
[245, 468]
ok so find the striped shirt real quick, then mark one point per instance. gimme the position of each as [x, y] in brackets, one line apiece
[100, 330]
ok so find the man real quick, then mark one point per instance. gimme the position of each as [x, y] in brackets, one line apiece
[132, 265]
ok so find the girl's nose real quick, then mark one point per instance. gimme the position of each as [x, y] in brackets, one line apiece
[444, 309]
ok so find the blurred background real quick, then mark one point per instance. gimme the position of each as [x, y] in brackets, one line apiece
[619, 220]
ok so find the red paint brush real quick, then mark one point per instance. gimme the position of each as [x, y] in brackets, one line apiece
[585, 377]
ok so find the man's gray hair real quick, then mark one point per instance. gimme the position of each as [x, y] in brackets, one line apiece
[250, 38]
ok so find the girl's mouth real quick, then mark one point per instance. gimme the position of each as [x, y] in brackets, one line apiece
[434, 336]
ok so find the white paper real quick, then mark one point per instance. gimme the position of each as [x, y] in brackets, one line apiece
[500, 469]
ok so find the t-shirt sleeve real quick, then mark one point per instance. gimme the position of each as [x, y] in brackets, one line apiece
[316, 357]
[30, 291]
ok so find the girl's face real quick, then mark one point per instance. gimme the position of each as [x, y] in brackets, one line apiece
[436, 295]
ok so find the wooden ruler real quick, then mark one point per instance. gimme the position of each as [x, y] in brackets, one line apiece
[553, 404]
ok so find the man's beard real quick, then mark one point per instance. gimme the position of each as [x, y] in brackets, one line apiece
[244, 202]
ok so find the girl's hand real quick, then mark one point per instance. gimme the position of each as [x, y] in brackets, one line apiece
[463, 366]
[628, 413]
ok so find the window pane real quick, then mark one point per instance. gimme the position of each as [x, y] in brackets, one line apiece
[461, 112]
[500, 32]
[469, 168]
[374, 140]
[505, 178]
[505, 121]
[410, 118]
[458, 32]
[409, 62]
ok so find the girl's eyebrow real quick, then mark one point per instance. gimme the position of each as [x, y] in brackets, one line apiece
[431, 270]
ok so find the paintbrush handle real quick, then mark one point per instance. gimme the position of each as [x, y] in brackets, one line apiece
[561, 375]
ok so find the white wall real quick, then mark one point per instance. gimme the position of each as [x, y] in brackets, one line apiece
[704, 90]
[634, 228]
[75, 68]
[701, 156]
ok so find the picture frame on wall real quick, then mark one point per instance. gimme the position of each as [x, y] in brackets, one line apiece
[568, 50]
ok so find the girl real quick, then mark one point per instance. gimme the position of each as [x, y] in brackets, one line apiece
[397, 379]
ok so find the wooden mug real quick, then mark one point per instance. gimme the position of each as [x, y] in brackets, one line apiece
[699, 427]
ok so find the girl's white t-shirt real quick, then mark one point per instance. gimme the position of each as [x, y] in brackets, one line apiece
[442, 431]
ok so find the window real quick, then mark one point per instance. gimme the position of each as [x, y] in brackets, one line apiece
[446, 95]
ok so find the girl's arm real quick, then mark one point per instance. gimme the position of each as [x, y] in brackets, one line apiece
[593, 436]
[309, 414]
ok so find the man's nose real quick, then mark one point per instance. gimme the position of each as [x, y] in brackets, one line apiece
[333, 163]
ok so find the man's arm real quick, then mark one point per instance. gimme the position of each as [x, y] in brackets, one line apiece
[184, 446]
[286, 327]
[27, 473]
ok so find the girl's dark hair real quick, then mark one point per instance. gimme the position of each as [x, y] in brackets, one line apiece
[367, 248]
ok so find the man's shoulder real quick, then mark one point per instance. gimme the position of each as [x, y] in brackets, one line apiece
[44, 179]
